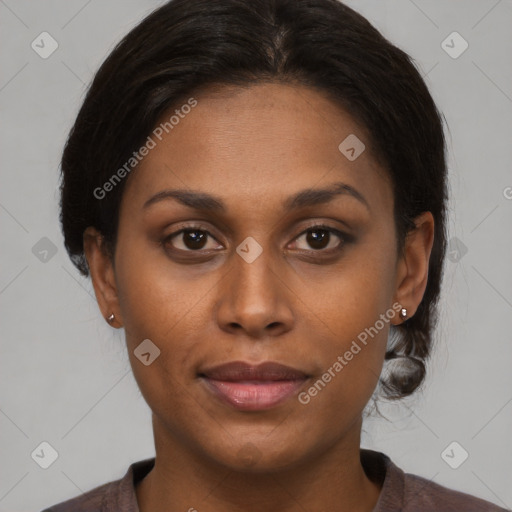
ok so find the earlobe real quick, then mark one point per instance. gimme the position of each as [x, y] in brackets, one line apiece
[412, 270]
[102, 276]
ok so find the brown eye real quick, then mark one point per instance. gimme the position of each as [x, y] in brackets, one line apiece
[318, 238]
[194, 239]
[189, 239]
[321, 238]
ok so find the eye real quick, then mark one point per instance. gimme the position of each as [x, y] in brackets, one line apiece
[320, 238]
[192, 238]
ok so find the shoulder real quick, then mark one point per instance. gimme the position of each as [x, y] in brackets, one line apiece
[112, 496]
[422, 494]
[406, 492]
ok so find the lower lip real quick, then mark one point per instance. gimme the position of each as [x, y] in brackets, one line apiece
[253, 395]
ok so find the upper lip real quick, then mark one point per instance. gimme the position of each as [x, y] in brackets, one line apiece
[240, 371]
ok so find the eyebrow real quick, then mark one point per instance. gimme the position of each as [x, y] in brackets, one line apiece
[307, 197]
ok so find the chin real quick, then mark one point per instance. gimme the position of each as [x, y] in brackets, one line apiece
[247, 456]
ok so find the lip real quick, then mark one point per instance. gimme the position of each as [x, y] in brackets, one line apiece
[251, 388]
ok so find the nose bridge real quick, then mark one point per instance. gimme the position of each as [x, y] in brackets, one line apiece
[254, 280]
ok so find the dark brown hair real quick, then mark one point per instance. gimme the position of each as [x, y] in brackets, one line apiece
[188, 44]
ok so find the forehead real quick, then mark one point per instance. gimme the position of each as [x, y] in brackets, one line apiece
[262, 141]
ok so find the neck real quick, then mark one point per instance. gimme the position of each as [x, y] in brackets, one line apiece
[183, 479]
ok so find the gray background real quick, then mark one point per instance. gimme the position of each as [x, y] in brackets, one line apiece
[65, 373]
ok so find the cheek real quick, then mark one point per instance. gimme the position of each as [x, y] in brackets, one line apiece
[353, 311]
[351, 295]
[154, 294]
[158, 309]
[352, 353]
[165, 305]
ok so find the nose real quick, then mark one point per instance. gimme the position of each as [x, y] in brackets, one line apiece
[254, 299]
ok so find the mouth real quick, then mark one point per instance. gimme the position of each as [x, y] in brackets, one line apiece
[252, 388]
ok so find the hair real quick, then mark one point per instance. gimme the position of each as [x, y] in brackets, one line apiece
[186, 45]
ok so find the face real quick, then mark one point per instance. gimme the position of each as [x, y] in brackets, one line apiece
[253, 278]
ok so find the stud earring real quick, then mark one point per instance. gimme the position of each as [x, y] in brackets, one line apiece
[110, 319]
[403, 313]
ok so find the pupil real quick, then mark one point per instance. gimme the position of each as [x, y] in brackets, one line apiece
[317, 240]
[197, 238]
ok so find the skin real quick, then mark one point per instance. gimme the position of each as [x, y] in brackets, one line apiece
[254, 147]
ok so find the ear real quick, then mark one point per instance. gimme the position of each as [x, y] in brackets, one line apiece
[412, 267]
[102, 275]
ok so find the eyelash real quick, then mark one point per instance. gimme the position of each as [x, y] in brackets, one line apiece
[344, 238]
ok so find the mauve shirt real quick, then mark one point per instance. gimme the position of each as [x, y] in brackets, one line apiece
[400, 491]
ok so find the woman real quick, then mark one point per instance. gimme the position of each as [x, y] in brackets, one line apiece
[257, 190]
